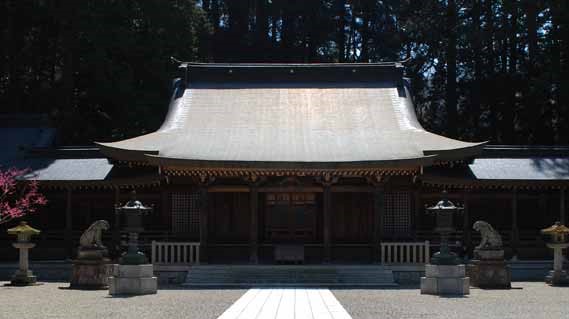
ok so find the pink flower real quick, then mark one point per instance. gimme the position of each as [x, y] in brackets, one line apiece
[18, 197]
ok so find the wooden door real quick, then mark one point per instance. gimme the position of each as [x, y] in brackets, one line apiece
[290, 217]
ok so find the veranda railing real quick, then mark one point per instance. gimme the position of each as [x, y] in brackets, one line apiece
[182, 253]
[405, 252]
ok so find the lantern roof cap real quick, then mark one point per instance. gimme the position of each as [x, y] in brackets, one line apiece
[134, 203]
[23, 228]
[444, 204]
[556, 228]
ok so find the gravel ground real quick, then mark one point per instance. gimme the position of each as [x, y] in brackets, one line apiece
[50, 301]
[527, 300]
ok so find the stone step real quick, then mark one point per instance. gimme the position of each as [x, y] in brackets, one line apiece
[289, 275]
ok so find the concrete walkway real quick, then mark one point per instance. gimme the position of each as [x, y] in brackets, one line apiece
[286, 304]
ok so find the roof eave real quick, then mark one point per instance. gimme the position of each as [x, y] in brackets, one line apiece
[457, 153]
[122, 154]
[208, 164]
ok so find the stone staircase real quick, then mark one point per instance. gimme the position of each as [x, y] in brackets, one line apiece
[289, 276]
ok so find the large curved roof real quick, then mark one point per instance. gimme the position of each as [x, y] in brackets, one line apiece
[279, 115]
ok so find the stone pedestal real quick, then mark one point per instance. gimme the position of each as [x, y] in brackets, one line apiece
[133, 280]
[557, 276]
[91, 269]
[90, 274]
[489, 270]
[445, 280]
[23, 276]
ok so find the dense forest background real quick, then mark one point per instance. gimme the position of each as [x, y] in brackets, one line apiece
[480, 69]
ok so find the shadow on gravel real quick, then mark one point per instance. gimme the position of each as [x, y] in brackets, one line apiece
[453, 296]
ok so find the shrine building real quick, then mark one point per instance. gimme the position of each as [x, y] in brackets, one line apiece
[261, 163]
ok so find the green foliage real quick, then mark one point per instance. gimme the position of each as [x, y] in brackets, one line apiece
[101, 67]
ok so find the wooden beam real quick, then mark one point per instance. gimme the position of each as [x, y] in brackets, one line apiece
[68, 235]
[165, 208]
[291, 189]
[416, 212]
[228, 189]
[467, 228]
[378, 211]
[515, 231]
[117, 223]
[254, 228]
[327, 222]
[505, 194]
[352, 189]
[204, 206]
[562, 212]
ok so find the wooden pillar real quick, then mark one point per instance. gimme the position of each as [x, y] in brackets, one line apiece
[378, 211]
[327, 220]
[203, 222]
[117, 222]
[68, 234]
[165, 210]
[514, 241]
[254, 228]
[562, 206]
[416, 213]
[327, 181]
[467, 228]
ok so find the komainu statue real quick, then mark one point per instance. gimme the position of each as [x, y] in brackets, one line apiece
[91, 238]
[488, 269]
[90, 269]
[491, 240]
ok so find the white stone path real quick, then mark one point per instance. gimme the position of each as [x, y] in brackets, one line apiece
[286, 304]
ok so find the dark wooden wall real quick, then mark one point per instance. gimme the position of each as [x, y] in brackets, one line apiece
[229, 217]
[352, 217]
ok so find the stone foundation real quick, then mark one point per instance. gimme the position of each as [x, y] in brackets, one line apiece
[90, 274]
[557, 278]
[490, 274]
[445, 280]
[23, 278]
[490, 271]
[133, 280]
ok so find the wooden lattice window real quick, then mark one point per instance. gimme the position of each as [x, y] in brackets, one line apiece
[186, 212]
[397, 214]
[290, 216]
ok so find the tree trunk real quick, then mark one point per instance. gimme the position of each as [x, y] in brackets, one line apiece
[532, 104]
[69, 48]
[477, 46]
[14, 44]
[341, 31]
[451, 99]
[560, 67]
[491, 66]
[508, 125]
[261, 28]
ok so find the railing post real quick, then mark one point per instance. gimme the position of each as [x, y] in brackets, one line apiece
[427, 252]
[197, 254]
[153, 256]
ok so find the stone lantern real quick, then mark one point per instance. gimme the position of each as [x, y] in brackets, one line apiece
[133, 275]
[23, 276]
[558, 234]
[444, 274]
[444, 212]
[133, 212]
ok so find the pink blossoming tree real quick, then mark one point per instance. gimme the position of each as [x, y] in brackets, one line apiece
[18, 198]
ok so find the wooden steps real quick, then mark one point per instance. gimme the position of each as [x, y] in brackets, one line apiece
[289, 276]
